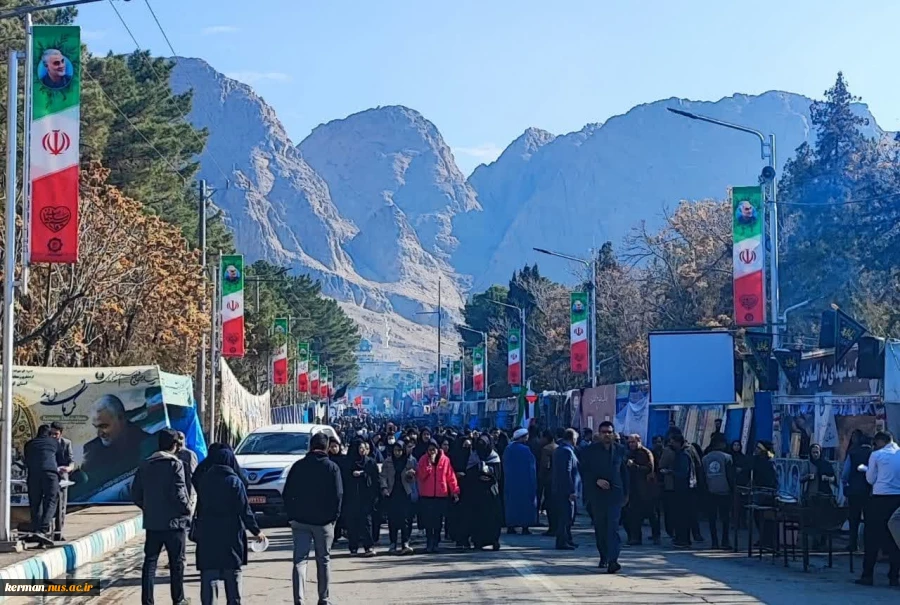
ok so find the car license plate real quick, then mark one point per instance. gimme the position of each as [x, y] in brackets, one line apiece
[257, 499]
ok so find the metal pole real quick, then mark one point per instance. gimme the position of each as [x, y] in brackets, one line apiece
[594, 319]
[9, 297]
[213, 350]
[524, 346]
[775, 290]
[201, 357]
[484, 368]
[440, 314]
[26, 165]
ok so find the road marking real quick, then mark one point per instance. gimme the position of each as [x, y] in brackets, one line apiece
[524, 569]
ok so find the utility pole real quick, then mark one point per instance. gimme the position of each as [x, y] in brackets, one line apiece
[7, 543]
[214, 348]
[440, 314]
[201, 356]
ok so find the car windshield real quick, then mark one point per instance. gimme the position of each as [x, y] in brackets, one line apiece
[274, 443]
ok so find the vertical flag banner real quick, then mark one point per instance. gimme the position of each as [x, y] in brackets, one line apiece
[457, 377]
[514, 357]
[279, 357]
[478, 369]
[443, 387]
[578, 332]
[231, 278]
[432, 384]
[749, 256]
[303, 367]
[55, 138]
[323, 382]
[314, 376]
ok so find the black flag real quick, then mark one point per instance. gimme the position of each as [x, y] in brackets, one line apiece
[340, 392]
[789, 360]
[847, 332]
[760, 345]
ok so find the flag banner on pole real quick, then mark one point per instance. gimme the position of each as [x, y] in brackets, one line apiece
[789, 360]
[749, 256]
[457, 378]
[55, 139]
[432, 384]
[578, 332]
[314, 376]
[303, 367]
[443, 387]
[514, 357]
[478, 369]
[847, 332]
[231, 278]
[323, 382]
[279, 357]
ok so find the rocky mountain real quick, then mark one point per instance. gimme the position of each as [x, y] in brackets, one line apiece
[374, 206]
[576, 191]
[361, 231]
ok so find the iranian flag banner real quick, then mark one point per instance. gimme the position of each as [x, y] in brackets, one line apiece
[323, 382]
[478, 369]
[280, 357]
[314, 376]
[55, 137]
[514, 357]
[432, 384]
[578, 332]
[231, 278]
[749, 256]
[457, 377]
[303, 367]
[443, 387]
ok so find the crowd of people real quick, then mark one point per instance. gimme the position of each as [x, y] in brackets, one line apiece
[463, 487]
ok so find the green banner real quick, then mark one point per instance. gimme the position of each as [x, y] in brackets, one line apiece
[56, 59]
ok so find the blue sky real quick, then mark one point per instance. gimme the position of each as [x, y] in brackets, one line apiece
[485, 70]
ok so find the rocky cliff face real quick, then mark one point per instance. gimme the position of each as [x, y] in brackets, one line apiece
[577, 191]
[364, 204]
[375, 207]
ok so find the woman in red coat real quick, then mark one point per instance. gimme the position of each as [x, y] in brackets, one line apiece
[437, 486]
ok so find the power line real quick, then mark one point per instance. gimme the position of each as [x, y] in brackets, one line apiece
[160, 81]
[175, 54]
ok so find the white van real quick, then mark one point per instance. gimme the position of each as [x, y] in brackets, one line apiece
[266, 456]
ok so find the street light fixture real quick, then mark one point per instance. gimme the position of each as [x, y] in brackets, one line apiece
[766, 152]
[592, 266]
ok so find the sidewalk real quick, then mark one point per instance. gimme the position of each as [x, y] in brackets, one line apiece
[92, 533]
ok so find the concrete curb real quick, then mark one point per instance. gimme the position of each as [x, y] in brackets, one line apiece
[60, 561]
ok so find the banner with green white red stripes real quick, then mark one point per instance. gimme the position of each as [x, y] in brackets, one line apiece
[279, 355]
[53, 155]
[231, 278]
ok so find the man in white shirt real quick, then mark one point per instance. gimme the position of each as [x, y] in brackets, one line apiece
[883, 475]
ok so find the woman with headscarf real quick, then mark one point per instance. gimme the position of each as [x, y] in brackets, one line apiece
[223, 520]
[458, 515]
[817, 477]
[422, 443]
[437, 486]
[481, 488]
[742, 463]
[339, 458]
[398, 476]
[207, 463]
[360, 490]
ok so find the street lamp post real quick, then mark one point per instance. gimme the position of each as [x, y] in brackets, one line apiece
[484, 370]
[440, 315]
[592, 266]
[767, 152]
[524, 339]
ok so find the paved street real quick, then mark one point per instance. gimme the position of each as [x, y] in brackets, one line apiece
[524, 570]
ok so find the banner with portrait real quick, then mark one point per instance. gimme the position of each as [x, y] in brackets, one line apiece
[111, 416]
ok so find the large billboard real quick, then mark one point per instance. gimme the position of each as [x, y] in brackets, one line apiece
[111, 416]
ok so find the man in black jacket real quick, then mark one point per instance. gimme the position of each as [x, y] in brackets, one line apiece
[43, 479]
[606, 488]
[160, 490]
[312, 500]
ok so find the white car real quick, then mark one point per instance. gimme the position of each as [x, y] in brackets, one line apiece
[266, 456]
